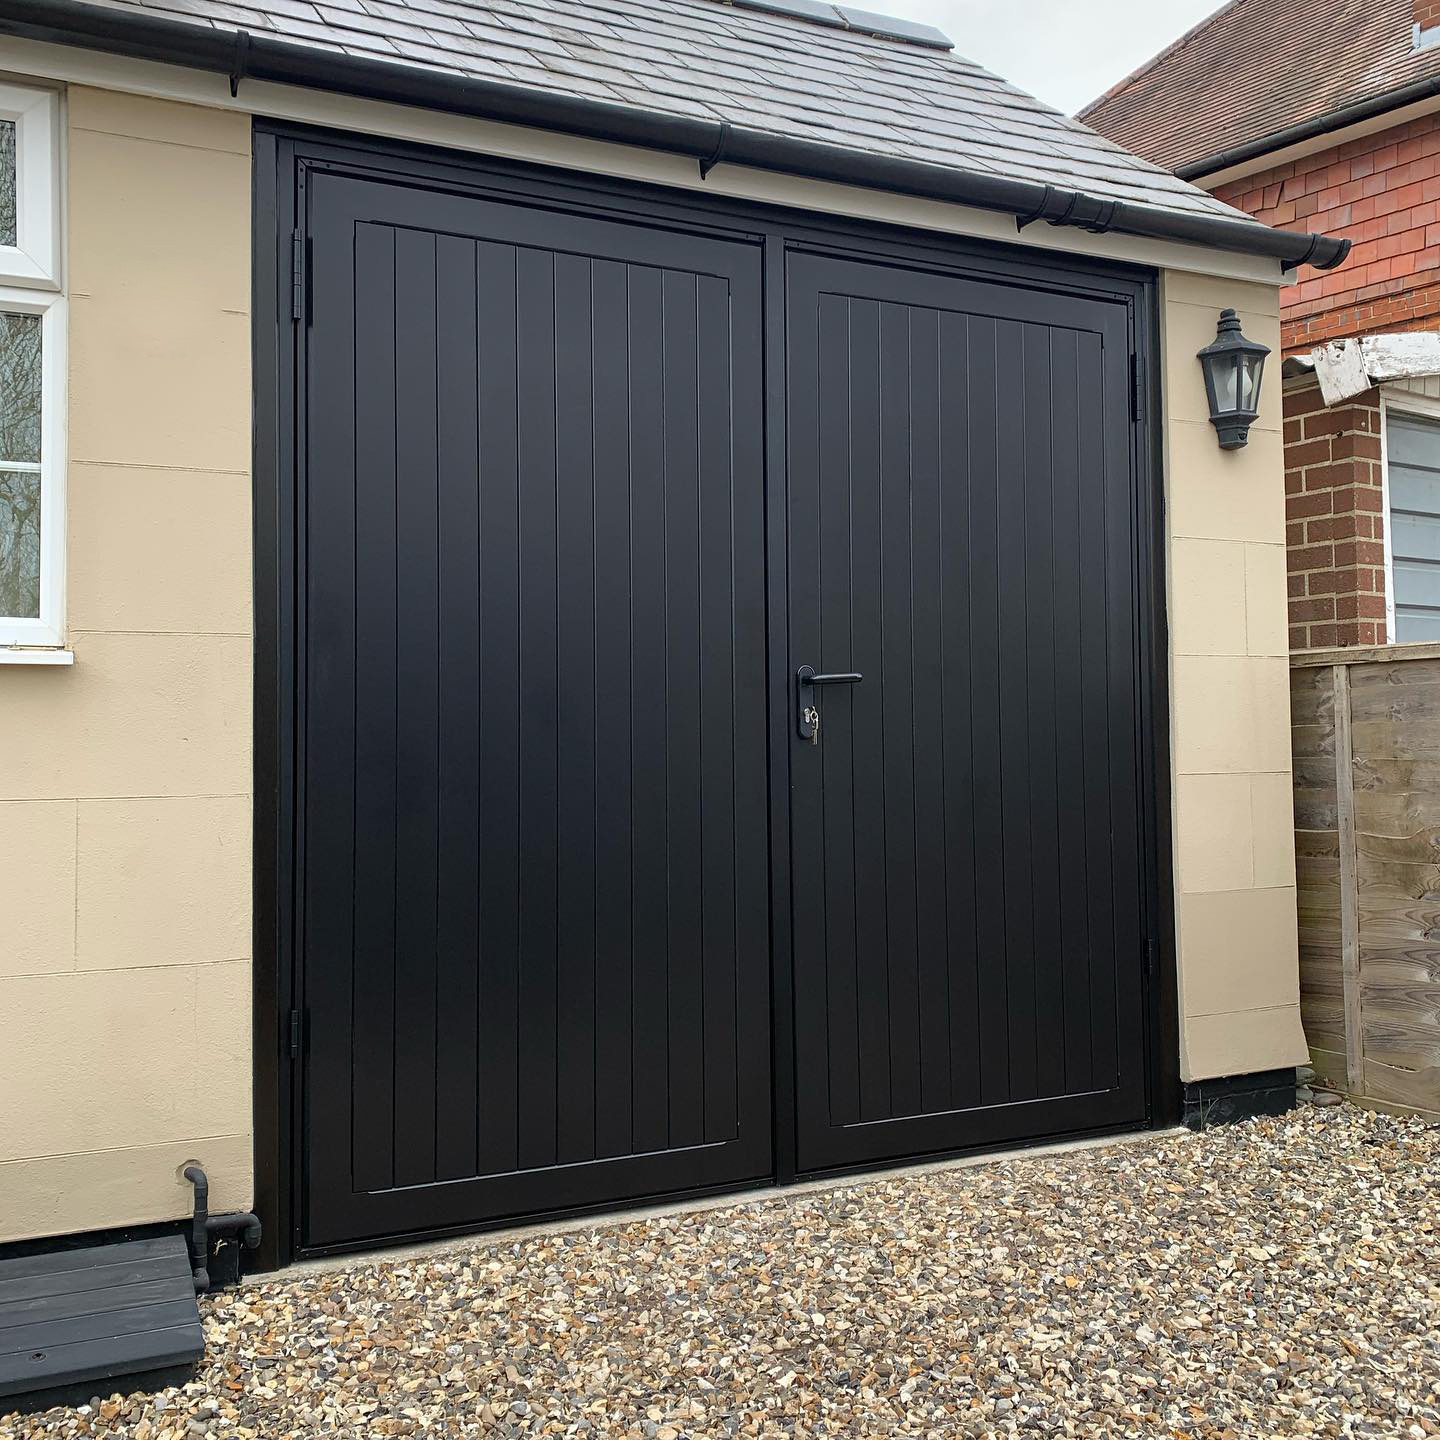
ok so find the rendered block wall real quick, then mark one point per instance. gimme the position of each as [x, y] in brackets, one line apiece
[1230, 711]
[125, 780]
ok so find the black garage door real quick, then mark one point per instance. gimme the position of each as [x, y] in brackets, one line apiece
[967, 872]
[534, 802]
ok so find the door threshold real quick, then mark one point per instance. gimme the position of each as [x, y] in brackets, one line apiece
[450, 1245]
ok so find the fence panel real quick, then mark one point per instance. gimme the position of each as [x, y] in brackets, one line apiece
[1365, 727]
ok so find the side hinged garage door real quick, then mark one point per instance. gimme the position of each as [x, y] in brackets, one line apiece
[554, 704]
[535, 957]
[968, 876]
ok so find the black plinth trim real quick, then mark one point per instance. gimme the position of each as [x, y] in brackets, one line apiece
[1238, 1097]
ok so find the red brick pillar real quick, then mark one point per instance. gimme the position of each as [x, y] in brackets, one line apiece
[1334, 506]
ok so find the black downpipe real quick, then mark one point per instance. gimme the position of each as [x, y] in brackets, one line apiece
[204, 1225]
[77, 22]
[200, 1228]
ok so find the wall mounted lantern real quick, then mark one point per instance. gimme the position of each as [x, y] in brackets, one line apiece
[1233, 367]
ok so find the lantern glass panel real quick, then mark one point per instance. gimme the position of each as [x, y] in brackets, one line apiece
[1227, 382]
[1251, 366]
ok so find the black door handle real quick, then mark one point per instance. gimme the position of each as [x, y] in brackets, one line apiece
[807, 715]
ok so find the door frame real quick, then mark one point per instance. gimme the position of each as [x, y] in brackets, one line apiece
[284, 157]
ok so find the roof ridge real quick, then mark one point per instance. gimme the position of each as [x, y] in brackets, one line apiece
[1252, 72]
[840, 16]
[1142, 69]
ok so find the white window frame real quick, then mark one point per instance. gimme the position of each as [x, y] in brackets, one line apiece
[35, 258]
[1398, 402]
[48, 628]
[32, 283]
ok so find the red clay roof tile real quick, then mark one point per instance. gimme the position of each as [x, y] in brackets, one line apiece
[1257, 67]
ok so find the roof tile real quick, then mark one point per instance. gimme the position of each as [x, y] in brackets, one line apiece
[1257, 67]
[709, 60]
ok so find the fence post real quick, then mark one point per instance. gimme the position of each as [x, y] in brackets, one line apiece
[1349, 885]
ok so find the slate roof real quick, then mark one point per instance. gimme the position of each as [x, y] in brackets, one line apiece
[1256, 67]
[713, 61]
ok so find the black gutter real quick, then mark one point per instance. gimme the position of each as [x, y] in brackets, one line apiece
[1337, 119]
[263, 57]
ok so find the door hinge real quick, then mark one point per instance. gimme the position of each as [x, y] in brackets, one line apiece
[1137, 389]
[294, 1036]
[1152, 959]
[297, 275]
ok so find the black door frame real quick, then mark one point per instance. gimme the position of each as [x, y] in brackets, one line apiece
[284, 157]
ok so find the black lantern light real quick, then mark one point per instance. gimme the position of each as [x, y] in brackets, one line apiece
[1232, 366]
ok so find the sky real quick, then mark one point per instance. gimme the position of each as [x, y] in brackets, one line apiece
[1065, 51]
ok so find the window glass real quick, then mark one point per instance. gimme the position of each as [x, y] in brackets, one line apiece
[8, 230]
[20, 388]
[32, 358]
[20, 543]
[20, 411]
[1412, 446]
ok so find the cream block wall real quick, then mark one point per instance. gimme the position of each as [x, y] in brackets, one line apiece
[1230, 703]
[125, 781]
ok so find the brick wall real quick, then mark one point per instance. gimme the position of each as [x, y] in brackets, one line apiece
[1427, 13]
[1382, 191]
[1335, 526]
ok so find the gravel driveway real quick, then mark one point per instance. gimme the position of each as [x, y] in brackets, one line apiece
[1276, 1278]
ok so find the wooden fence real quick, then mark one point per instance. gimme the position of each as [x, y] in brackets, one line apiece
[1365, 726]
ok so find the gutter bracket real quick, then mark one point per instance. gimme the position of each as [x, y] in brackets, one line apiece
[1319, 241]
[1308, 257]
[241, 61]
[713, 159]
[1021, 221]
[1066, 208]
[1104, 218]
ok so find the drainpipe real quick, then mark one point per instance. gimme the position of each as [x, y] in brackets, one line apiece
[204, 1225]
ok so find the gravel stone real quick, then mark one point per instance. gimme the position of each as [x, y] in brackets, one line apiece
[1275, 1278]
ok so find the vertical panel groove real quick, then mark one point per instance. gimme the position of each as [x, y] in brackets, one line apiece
[560, 1098]
[850, 1103]
[456, 1088]
[516, 1084]
[731, 1089]
[822, 654]
[441, 665]
[941, 721]
[670, 700]
[394, 704]
[595, 1088]
[700, 744]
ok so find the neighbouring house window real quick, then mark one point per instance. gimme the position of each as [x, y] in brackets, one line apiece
[32, 373]
[1412, 456]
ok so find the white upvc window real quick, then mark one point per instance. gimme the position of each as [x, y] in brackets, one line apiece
[1410, 447]
[32, 374]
